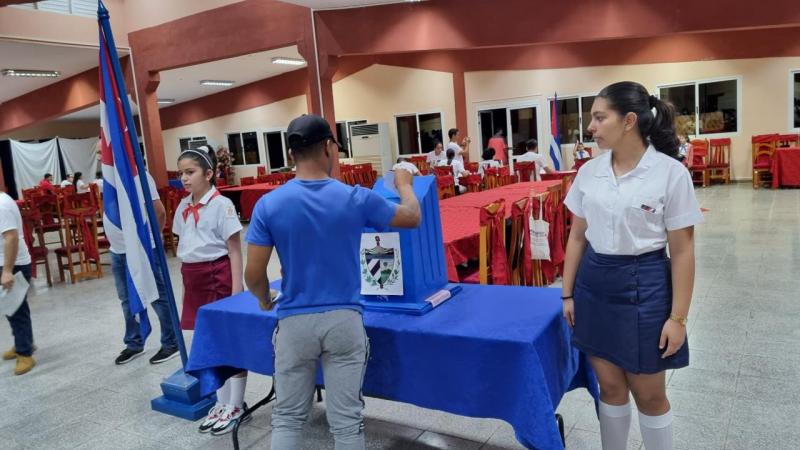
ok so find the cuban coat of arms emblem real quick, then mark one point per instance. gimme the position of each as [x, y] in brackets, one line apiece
[381, 266]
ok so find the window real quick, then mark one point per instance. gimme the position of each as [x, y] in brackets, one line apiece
[416, 133]
[244, 148]
[86, 8]
[574, 116]
[795, 102]
[523, 128]
[704, 107]
[276, 153]
[192, 142]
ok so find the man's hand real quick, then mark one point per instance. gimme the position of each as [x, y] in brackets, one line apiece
[268, 304]
[403, 177]
[7, 280]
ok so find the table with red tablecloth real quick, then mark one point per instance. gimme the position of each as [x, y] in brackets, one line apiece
[558, 175]
[245, 197]
[786, 167]
[460, 218]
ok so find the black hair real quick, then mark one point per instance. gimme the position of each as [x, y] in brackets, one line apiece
[98, 174]
[658, 129]
[531, 144]
[436, 142]
[76, 176]
[488, 154]
[209, 162]
[452, 132]
[309, 151]
[47, 175]
[451, 154]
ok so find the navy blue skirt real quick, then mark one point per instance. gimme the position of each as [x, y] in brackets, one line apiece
[621, 305]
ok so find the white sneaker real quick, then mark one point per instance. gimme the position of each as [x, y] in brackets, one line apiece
[228, 420]
[213, 416]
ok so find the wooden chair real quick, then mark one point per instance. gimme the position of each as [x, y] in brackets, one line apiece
[443, 171]
[762, 152]
[472, 183]
[537, 270]
[261, 170]
[471, 167]
[788, 140]
[80, 235]
[34, 239]
[170, 200]
[492, 254]
[700, 162]
[49, 208]
[247, 181]
[492, 177]
[719, 165]
[519, 250]
[446, 186]
[524, 170]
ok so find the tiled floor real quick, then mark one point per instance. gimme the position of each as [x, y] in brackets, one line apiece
[740, 391]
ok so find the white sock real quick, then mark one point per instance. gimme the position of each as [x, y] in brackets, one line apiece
[656, 431]
[237, 391]
[615, 422]
[224, 393]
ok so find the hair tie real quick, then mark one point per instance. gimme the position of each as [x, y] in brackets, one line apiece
[653, 101]
[204, 155]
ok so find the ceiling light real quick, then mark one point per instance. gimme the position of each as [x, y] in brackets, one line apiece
[288, 61]
[166, 101]
[31, 73]
[216, 83]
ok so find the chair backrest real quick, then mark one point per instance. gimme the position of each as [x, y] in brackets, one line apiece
[82, 200]
[471, 182]
[261, 170]
[32, 226]
[26, 193]
[471, 167]
[524, 170]
[446, 185]
[519, 261]
[246, 181]
[492, 255]
[762, 153]
[699, 152]
[48, 206]
[720, 151]
[442, 171]
[788, 140]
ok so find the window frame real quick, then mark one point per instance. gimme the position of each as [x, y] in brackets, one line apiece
[422, 151]
[267, 164]
[259, 137]
[791, 125]
[697, 83]
[580, 98]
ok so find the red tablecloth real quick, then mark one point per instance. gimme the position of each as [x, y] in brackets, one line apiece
[786, 167]
[460, 218]
[558, 175]
[247, 196]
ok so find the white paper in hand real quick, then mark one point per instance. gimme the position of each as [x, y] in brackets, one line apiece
[10, 300]
[389, 183]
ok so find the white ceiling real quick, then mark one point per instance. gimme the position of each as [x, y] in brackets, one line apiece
[183, 84]
[340, 4]
[93, 113]
[69, 60]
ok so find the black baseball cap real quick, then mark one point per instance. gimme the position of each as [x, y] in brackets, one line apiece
[308, 129]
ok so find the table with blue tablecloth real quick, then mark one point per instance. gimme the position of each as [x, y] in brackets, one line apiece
[491, 351]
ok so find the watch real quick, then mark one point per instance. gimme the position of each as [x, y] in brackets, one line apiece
[681, 320]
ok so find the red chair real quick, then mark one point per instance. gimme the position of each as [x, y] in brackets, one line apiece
[520, 262]
[762, 151]
[699, 163]
[261, 170]
[524, 170]
[49, 207]
[443, 171]
[492, 254]
[788, 140]
[719, 165]
[446, 186]
[247, 181]
[471, 167]
[472, 183]
[32, 227]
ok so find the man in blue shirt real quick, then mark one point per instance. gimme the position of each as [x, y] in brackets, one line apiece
[315, 223]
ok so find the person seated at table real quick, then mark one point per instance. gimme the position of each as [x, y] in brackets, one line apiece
[532, 155]
[98, 180]
[47, 182]
[685, 148]
[580, 151]
[80, 185]
[457, 167]
[318, 308]
[403, 163]
[67, 181]
[487, 160]
[437, 154]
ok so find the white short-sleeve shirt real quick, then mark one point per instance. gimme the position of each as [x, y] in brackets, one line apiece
[631, 215]
[457, 149]
[205, 240]
[539, 161]
[407, 166]
[81, 187]
[483, 165]
[433, 158]
[10, 219]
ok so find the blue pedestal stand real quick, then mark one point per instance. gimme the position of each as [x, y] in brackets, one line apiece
[182, 397]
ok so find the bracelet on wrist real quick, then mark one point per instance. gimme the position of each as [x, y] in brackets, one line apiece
[566, 297]
[680, 319]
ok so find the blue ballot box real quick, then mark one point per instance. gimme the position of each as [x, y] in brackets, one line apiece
[423, 266]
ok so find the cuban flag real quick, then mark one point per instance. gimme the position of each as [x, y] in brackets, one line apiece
[122, 189]
[555, 141]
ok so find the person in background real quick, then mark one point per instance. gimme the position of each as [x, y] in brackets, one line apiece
[457, 168]
[403, 163]
[98, 180]
[15, 257]
[47, 182]
[458, 148]
[80, 185]
[580, 151]
[498, 143]
[685, 148]
[532, 155]
[67, 181]
[436, 155]
[487, 160]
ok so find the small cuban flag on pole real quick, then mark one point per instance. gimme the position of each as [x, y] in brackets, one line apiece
[555, 136]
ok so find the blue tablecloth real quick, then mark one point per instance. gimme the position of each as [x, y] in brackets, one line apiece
[491, 351]
[176, 184]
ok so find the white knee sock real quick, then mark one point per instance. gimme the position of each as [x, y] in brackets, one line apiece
[224, 393]
[237, 391]
[656, 431]
[615, 422]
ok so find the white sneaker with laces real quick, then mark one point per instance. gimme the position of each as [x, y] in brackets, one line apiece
[228, 420]
[212, 418]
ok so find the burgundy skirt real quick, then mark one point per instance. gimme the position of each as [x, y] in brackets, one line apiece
[204, 283]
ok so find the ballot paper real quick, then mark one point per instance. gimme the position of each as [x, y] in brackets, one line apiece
[10, 300]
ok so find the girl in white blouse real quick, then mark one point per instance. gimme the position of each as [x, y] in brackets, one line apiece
[626, 300]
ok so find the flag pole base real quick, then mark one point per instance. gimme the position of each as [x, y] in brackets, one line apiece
[182, 397]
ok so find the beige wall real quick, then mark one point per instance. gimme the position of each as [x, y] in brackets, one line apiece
[74, 129]
[379, 92]
[764, 88]
[261, 119]
[149, 13]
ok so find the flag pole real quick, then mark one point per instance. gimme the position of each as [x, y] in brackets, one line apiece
[158, 254]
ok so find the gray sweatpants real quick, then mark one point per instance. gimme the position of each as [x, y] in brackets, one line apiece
[337, 338]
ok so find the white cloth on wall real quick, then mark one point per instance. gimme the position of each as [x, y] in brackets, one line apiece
[80, 155]
[32, 160]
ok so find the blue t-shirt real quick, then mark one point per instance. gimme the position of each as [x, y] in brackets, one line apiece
[315, 226]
